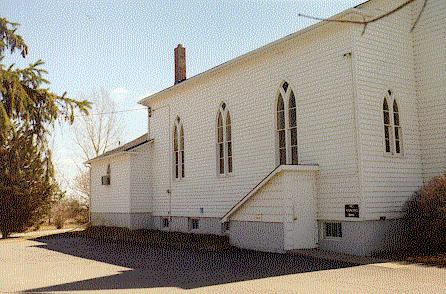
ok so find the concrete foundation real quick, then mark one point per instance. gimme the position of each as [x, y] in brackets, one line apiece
[361, 238]
[141, 220]
[365, 237]
[207, 225]
[124, 219]
[261, 236]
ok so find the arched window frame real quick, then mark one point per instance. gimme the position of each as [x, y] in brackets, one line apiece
[397, 131]
[223, 135]
[292, 125]
[287, 128]
[387, 123]
[178, 150]
[393, 135]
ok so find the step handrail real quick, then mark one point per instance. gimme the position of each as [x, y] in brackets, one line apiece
[261, 183]
[223, 219]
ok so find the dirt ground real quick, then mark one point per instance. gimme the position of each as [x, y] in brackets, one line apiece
[72, 263]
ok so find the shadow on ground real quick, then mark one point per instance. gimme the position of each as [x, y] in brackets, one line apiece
[153, 267]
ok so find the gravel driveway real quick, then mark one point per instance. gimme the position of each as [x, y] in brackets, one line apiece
[58, 263]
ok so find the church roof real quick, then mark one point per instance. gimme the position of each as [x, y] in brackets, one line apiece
[227, 64]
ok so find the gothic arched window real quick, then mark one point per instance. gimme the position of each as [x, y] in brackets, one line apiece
[286, 126]
[387, 126]
[224, 141]
[397, 128]
[178, 149]
[392, 126]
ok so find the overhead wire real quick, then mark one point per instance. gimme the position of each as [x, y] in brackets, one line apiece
[110, 112]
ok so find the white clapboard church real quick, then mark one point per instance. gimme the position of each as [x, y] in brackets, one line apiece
[313, 141]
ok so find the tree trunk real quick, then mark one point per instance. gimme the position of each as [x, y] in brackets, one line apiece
[5, 233]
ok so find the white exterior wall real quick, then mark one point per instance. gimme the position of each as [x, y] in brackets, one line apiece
[114, 197]
[267, 204]
[288, 198]
[384, 60]
[314, 66]
[300, 228]
[140, 193]
[429, 40]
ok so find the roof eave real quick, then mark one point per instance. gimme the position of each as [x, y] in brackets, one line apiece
[124, 151]
[106, 156]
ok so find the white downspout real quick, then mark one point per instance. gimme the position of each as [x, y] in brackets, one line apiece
[149, 115]
[169, 191]
[349, 56]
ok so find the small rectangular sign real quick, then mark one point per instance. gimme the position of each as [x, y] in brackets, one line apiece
[351, 210]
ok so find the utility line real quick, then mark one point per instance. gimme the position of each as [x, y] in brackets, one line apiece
[111, 112]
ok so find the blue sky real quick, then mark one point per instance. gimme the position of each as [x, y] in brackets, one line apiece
[126, 47]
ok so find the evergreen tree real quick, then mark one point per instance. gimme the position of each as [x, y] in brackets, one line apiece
[28, 111]
[27, 185]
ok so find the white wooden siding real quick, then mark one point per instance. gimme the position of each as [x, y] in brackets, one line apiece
[160, 171]
[330, 122]
[113, 197]
[384, 61]
[140, 194]
[314, 66]
[289, 197]
[267, 205]
[429, 40]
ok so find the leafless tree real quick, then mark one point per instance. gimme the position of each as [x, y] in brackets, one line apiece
[97, 132]
[94, 134]
[81, 187]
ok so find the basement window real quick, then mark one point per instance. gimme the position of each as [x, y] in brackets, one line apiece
[333, 230]
[193, 224]
[165, 222]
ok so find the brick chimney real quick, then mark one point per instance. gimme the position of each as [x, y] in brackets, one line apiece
[180, 64]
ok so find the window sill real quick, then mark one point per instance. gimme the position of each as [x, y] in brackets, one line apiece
[332, 238]
[393, 155]
[177, 180]
[224, 175]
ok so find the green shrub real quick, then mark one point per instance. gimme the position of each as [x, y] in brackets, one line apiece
[425, 215]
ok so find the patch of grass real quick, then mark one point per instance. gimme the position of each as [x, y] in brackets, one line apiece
[157, 238]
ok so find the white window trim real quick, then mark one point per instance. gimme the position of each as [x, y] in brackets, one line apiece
[401, 154]
[191, 226]
[286, 99]
[392, 154]
[162, 223]
[224, 113]
[324, 235]
[178, 126]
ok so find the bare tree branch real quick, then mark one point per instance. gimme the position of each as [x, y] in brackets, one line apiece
[93, 134]
[366, 22]
[82, 187]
